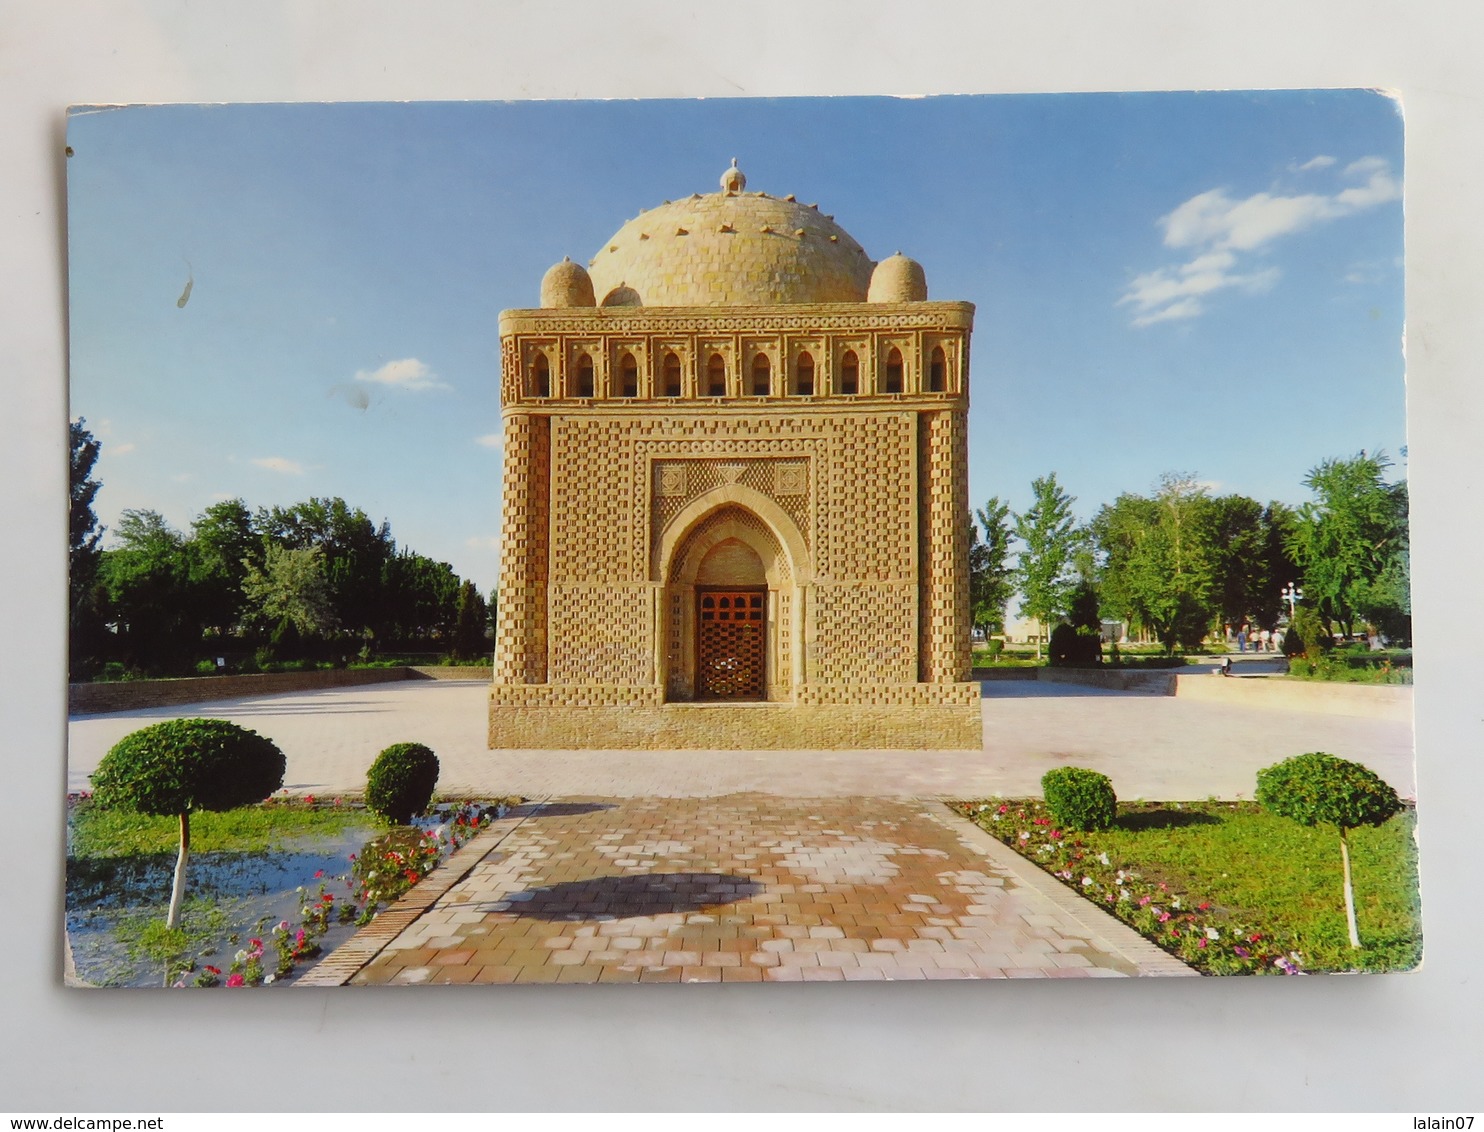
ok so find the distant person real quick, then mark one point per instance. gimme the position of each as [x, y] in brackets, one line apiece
[1265, 639]
[1226, 666]
[1242, 639]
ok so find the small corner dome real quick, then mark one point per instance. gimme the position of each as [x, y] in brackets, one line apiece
[897, 279]
[567, 285]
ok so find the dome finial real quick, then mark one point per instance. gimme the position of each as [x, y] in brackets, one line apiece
[733, 181]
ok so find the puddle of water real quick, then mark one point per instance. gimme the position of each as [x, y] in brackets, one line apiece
[230, 898]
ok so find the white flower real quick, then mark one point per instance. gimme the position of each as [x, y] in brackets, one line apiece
[1024, 836]
[1212, 933]
[268, 979]
[241, 957]
[1086, 882]
[1103, 857]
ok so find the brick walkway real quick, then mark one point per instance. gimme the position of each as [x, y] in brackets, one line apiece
[745, 888]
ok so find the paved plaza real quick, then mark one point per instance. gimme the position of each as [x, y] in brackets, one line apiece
[745, 888]
[1156, 747]
[758, 866]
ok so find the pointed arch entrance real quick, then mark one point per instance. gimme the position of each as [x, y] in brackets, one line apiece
[732, 601]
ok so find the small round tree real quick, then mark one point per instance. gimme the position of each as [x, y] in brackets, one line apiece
[1319, 788]
[183, 765]
[1079, 799]
[400, 782]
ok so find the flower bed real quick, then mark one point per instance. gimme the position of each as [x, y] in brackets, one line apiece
[1215, 937]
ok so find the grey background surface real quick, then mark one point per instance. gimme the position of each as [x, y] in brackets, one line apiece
[1399, 1042]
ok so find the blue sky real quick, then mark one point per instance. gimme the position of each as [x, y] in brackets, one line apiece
[1206, 283]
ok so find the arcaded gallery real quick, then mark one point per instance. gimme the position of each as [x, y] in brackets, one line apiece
[735, 508]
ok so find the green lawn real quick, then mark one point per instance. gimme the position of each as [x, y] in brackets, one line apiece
[1265, 885]
[97, 832]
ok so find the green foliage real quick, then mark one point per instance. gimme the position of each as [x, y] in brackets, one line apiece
[97, 832]
[188, 764]
[85, 621]
[1306, 635]
[1075, 647]
[1352, 542]
[991, 578]
[1238, 871]
[1159, 565]
[400, 782]
[1049, 536]
[1079, 799]
[469, 622]
[353, 549]
[291, 590]
[1318, 787]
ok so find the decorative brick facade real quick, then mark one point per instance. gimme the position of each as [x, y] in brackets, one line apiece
[809, 446]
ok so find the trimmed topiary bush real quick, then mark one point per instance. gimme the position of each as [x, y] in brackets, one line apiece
[183, 765]
[1073, 646]
[400, 783]
[1320, 788]
[1079, 799]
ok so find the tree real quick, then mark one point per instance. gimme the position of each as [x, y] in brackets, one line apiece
[173, 768]
[419, 600]
[1158, 561]
[83, 535]
[1352, 535]
[468, 633]
[1319, 788]
[1043, 569]
[223, 547]
[1239, 566]
[146, 582]
[355, 553]
[991, 578]
[291, 587]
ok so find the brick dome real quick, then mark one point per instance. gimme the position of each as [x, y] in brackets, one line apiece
[567, 285]
[898, 279]
[730, 248]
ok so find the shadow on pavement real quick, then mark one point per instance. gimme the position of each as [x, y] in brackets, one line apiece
[651, 894]
[570, 809]
[1039, 690]
[346, 707]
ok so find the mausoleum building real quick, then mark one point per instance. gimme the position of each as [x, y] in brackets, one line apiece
[735, 504]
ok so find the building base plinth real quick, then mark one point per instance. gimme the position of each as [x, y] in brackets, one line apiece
[909, 726]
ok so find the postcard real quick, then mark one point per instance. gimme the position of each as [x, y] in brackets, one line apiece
[767, 540]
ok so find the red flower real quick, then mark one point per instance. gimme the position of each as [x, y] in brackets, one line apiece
[1254, 937]
[213, 970]
[234, 980]
[318, 873]
[1203, 907]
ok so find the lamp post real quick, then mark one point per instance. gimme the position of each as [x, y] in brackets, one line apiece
[1293, 595]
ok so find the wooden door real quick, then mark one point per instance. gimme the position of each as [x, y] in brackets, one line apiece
[731, 642]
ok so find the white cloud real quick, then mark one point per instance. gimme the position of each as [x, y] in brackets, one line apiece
[279, 464]
[1323, 161]
[1365, 272]
[404, 373]
[1216, 230]
[1185, 308]
[483, 542]
[121, 449]
[490, 440]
